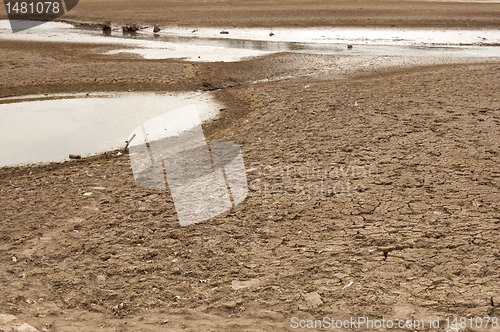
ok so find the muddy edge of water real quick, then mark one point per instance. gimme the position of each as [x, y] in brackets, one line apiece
[214, 76]
[50, 130]
[48, 68]
[208, 45]
[40, 67]
[300, 13]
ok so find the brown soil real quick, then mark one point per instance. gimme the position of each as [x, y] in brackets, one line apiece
[415, 236]
[287, 13]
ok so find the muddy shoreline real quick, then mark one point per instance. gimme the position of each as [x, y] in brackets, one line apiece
[293, 13]
[422, 240]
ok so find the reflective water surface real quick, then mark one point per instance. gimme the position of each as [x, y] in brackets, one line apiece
[50, 130]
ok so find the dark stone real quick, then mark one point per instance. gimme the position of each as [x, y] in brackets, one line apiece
[106, 27]
[129, 28]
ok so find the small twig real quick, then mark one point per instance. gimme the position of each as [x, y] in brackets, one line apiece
[128, 142]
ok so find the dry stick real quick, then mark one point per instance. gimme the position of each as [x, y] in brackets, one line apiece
[128, 142]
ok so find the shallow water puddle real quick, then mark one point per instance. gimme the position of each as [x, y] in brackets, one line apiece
[50, 130]
[142, 44]
[208, 44]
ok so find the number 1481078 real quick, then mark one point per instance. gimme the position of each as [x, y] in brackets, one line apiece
[33, 7]
[472, 323]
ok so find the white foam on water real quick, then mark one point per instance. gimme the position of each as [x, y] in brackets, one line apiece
[191, 53]
[45, 27]
[50, 130]
[349, 35]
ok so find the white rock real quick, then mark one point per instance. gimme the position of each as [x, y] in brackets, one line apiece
[99, 189]
[91, 208]
[252, 170]
[4, 319]
[26, 328]
[244, 284]
[313, 299]
[403, 312]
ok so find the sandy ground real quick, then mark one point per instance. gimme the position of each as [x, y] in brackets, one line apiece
[287, 13]
[411, 232]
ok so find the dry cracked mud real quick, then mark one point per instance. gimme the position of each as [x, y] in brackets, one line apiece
[374, 190]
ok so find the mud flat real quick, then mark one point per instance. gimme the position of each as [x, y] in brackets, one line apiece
[428, 132]
[208, 44]
[420, 241]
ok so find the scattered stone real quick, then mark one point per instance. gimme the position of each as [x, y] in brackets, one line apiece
[91, 208]
[106, 27]
[453, 329]
[428, 303]
[20, 200]
[252, 170]
[349, 46]
[75, 156]
[26, 328]
[313, 299]
[5, 319]
[495, 301]
[156, 29]
[26, 253]
[231, 304]
[14, 259]
[101, 278]
[129, 28]
[403, 312]
[269, 314]
[472, 270]
[244, 284]
[99, 189]
[9, 323]
[223, 32]
[195, 30]
[271, 34]
[87, 194]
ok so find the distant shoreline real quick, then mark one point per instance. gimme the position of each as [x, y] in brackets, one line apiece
[289, 13]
